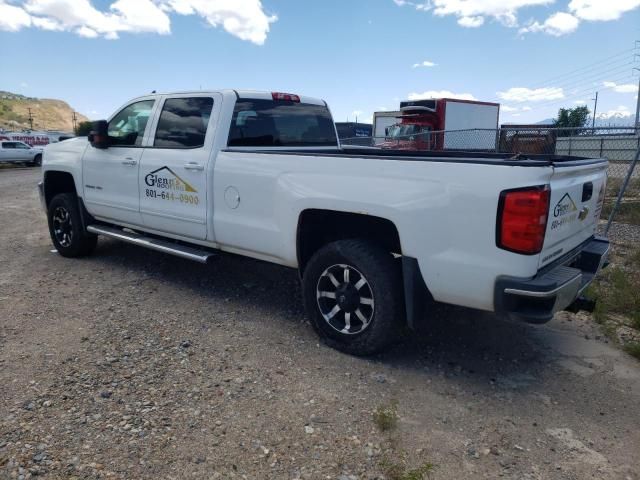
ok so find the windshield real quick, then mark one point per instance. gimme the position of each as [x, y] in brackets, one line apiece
[399, 131]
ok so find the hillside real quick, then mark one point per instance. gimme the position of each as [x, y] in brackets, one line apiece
[48, 114]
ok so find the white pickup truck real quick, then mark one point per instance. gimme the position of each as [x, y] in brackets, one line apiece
[377, 235]
[19, 152]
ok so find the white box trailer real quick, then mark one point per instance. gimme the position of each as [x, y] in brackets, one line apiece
[468, 124]
[382, 121]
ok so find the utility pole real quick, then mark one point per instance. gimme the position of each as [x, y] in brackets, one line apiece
[31, 119]
[638, 103]
[595, 109]
[74, 119]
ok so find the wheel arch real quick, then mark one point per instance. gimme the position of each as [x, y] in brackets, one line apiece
[56, 182]
[317, 227]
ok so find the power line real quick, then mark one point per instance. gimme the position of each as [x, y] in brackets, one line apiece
[599, 64]
[581, 92]
[600, 76]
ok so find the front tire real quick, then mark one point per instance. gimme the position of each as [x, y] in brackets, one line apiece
[65, 227]
[353, 296]
[37, 160]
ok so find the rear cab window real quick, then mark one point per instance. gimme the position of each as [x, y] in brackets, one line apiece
[281, 123]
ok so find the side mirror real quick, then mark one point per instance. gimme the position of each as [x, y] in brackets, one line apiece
[99, 137]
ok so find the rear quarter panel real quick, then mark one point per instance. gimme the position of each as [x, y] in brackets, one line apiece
[445, 212]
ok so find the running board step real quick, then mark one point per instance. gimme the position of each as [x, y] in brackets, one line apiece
[190, 253]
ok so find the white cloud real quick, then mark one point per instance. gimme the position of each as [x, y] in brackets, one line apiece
[514, 111]
[474, 13]
[558, 24]
[426, 63]
[471, 22]
[580, 102]
[440, 94]
[13, 18]
[523, 94]
[620, 112]
[621, 88]
[601, 10]
[244, 19]
[24, 84]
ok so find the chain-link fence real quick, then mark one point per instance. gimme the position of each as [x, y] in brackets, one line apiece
[620, 145]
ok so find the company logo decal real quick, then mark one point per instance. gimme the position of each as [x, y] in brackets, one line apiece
[565, 205]
[166, 178]
[165, 184]
[564, 212]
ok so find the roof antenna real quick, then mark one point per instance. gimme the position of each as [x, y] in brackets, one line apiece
[153, 91]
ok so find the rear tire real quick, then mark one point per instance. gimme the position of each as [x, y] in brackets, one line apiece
[37, 160]
[353, 296]
[65, 227]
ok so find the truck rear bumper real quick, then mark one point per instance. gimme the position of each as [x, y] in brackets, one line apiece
[537, 299]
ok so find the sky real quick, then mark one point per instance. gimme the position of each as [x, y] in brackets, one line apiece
[361, 56]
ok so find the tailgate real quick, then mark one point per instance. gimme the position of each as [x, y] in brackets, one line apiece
[577, 194]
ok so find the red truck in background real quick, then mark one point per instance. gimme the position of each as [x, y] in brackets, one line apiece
[438, 124]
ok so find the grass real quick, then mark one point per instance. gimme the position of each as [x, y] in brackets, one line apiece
[386, 417]
[633, 349]
[618, 300]
[628, 211]
[400, 471]
[397, 468]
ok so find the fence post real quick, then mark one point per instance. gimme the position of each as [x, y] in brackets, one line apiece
[570, 142]
[601, 146]
[621, 193]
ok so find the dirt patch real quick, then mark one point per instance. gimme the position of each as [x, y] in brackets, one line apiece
[132, 364]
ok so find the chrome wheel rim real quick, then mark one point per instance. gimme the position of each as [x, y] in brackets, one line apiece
[345, 299]
[62, 226]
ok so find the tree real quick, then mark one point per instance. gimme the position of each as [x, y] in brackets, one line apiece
[84, 128]
[572, 117]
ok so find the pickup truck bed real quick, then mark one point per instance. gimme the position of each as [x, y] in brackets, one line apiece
[375, 234]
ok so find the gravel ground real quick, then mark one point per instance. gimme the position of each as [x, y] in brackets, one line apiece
[133, 364]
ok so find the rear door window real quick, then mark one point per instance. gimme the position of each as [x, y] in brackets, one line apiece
[269, 123]
[183, 122]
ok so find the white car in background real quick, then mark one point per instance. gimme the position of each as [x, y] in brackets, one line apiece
[19, 152]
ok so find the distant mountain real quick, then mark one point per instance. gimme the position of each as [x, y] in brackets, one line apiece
[614, 120]
[48, 114]
[546, 121]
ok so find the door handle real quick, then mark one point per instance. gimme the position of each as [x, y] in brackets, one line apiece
[193, 166]
[129, 161]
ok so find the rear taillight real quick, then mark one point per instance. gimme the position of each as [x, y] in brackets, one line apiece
[522, 219]
[285, 97]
